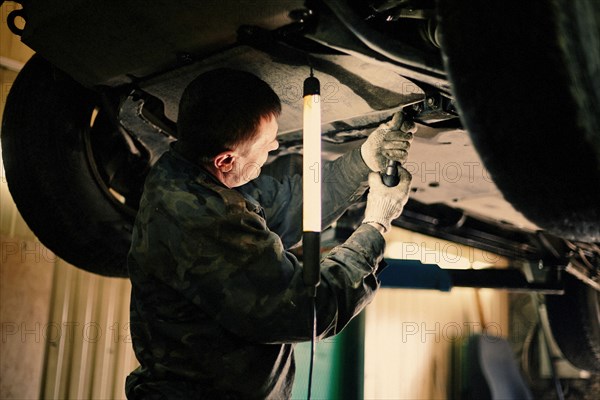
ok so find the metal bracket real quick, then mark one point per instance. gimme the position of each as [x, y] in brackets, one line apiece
[583, 273]
[11, 21]
[142, 129]
[413, 274]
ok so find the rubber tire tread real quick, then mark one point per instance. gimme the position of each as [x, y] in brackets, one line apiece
[49, 175]
[526, 79]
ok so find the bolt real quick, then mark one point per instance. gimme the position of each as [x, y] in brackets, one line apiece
[417, 107]
[185, 58]
[300, 15]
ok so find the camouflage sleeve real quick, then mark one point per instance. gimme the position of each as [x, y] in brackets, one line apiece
[237, 271]
[281, 200]
[344, 183]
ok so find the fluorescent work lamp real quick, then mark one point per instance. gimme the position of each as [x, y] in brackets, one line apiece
[311, 170]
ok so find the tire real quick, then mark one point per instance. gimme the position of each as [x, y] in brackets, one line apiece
[575, 323]
[47, 133]
[526, 77]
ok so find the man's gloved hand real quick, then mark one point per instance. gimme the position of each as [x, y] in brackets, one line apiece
[390, 141]
[385, 204]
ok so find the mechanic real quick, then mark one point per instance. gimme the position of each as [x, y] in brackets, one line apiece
[217, 301]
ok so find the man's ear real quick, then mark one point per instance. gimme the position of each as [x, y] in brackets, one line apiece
[224, 161]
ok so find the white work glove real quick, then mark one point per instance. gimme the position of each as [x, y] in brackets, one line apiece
[390, 141]
[385, 204]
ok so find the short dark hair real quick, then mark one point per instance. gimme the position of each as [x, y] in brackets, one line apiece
[221, 109]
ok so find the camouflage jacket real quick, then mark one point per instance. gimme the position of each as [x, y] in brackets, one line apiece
[217, 301]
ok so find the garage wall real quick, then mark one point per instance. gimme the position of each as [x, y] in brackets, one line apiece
[411, 335]
[64, 331]
[25, 292]
[88, 346]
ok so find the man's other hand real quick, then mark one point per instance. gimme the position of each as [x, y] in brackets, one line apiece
[390, 141]
[384, 204]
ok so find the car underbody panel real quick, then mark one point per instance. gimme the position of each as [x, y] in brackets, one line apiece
[356, 97]
[173, 32]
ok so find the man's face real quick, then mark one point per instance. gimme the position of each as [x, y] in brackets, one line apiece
[253, 155]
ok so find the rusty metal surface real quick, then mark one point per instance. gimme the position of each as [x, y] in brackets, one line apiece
[350, 88]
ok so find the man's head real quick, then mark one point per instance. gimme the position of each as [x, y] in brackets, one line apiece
[228, 122]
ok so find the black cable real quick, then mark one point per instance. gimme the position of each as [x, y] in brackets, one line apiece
[313, 345]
